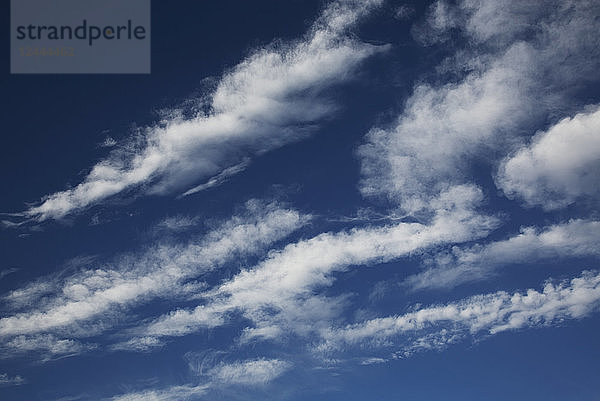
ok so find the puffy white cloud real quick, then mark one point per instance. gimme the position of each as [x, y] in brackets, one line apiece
[439, 325]
[519, 64]
[576, 238]
[441, 127]
[273, 97]
[560, 165]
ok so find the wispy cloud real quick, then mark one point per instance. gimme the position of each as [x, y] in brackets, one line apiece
[6, 272]
[160, 271]
[46, 347]
[6, 380]
[29, 293]
[373, 361]
[576, 238]
[108, 142]
[273, 97]
[511, 67]
[285, 282]
[178, 223]
[423, 328]
[219, 178]
[184, 392]
[437, 326]
[252, 372]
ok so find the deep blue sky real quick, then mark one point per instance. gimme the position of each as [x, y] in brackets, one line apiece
[455, 92]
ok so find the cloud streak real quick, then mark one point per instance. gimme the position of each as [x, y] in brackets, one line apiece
[183, 392]
[479, 315]
[576, 238]
[161, 271]
[250, 372]
[284, 283]
[247, 373]
[273, 97]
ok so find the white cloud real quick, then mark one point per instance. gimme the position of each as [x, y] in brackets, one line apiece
[515, 69]
[139, 344]
[109, 142]
[441, 127]
[422, 163]
[404, 12]
[302, 266]
[441, 17]
[273, 97]
[279, 294]
[219, 178]
[373, 361]
[497, 23]
[576, 238]
[26, 295]
[560, 165]
[6, 380]
[6, 272]
[45, 346]
[160, 271]
[440, 325]
[178, 223]
[249, 372]
[184, 392]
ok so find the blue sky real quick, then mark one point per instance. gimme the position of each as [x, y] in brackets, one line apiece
[344, 200]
